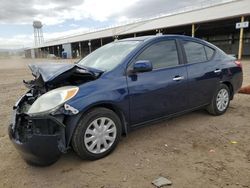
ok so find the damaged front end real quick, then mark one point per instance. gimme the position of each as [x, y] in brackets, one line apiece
[38, 127]
[39, 139]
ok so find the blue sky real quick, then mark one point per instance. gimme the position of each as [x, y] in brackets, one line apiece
[63, 17]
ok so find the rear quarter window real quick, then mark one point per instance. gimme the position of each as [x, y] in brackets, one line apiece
[209, 52]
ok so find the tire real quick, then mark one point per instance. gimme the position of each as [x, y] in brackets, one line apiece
[100, 127]
[214, 108]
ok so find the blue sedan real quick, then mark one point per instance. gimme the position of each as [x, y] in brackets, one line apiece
[123, 85]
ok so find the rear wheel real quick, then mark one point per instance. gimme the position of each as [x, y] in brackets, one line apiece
[220, 101]
[97, 134]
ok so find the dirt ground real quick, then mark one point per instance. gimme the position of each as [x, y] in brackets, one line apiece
[193, 150]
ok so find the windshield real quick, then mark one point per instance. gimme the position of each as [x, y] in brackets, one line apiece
[109, 56]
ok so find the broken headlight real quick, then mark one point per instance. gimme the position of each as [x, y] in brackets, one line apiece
[53, 99]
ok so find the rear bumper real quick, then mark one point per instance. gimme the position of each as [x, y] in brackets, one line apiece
[39, 140]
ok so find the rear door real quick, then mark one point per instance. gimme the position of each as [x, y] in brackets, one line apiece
[204, 73]
[162, 91]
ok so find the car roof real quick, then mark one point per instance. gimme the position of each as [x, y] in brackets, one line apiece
[153, 37]
[144, 38]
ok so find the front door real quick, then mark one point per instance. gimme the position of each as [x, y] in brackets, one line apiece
[162, 91]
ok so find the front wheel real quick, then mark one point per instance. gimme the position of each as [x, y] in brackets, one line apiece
[97, 134]
[220, 101]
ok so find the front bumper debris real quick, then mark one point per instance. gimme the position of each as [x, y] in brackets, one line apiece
[39, 140]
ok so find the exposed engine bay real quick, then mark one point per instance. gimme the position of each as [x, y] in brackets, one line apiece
[51, 76]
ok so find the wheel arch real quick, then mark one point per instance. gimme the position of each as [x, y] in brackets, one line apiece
[73, 121]
[116, 110]
[231, 89]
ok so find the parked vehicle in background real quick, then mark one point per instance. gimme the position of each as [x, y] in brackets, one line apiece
[118, 87]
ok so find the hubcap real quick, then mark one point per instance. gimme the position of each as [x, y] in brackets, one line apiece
[222, 100]
[100, 135]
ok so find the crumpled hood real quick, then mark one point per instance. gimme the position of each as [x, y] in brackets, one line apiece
[50, 71]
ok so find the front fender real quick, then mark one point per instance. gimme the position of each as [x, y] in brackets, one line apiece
[98, 93]
[103, 90]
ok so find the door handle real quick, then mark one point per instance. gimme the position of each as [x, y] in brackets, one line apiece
[217, 71]
[178, 78]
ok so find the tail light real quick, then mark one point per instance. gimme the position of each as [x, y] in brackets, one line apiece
[238, 63]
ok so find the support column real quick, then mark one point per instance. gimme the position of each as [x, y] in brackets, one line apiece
[101, 41]
[193, 30]
[58, 51]
[241, 40]
[134, 34]
[80, 49]
[89, 44]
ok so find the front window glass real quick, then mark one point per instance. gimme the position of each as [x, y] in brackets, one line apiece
[161, 54]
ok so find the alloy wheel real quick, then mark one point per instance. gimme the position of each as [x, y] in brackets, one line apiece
[222, 100]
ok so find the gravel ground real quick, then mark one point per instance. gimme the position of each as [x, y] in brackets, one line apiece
[193, 150]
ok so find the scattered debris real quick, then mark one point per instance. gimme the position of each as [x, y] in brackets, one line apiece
[176, 150]
[66, 170]
[212, 151]
[234, 142]
[125, 178]
[166, 145]
[245, 90]
[161, 181]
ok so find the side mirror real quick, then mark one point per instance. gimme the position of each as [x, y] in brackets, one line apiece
[142, 66]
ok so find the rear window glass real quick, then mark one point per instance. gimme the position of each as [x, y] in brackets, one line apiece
[195, 52]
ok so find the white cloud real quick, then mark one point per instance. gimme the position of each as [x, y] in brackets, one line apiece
[21, 41]
[101, 10]
[52, 12]
[54, 35]
[74, 25]
[57, 11]
[48, 6]
[17, 41]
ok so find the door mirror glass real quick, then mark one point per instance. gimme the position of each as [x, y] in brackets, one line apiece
[142, 66]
